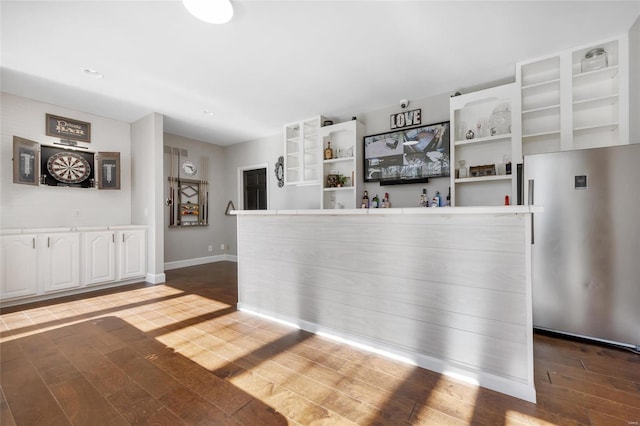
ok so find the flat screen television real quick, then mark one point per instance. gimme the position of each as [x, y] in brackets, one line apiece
[407, 156]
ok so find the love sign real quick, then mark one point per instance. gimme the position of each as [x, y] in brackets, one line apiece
[406, 118]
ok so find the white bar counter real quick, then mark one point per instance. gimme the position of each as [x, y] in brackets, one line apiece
[448, 289]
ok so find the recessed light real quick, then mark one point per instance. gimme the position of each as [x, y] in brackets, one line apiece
[92, 73]
[207, 112]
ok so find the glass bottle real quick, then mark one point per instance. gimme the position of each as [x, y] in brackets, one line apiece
[594, 59]
[328, 152]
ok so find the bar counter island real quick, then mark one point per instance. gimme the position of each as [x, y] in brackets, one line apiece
[447, 289]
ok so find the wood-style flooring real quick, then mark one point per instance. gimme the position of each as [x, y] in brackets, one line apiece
[181, 354]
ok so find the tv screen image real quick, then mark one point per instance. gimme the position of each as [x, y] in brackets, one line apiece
[408, 155]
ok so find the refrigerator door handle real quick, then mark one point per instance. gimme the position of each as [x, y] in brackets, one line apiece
[531, 201]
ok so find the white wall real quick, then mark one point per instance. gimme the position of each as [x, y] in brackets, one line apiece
[26, 206]
[634, 82]
[146, 195]
[193, 242]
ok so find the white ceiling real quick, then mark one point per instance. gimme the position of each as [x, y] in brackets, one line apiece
[278, 61]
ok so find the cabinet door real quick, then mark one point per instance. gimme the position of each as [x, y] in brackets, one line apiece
[132, 259]
[60, 260]
[99, 257]
[18, 276]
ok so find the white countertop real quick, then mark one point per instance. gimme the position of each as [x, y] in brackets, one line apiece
[17, 231]
[394, 211]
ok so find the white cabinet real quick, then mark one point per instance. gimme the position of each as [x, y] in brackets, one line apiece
[566, 107]
[132, 253]
[303, 152]
[59, 259]
[98, 257]
[18, 268]
[483, 143]
[342, 179]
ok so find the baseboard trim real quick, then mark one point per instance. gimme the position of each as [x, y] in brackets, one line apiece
[200, 261]
[155, 278]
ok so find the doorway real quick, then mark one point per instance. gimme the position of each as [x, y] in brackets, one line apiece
[254, 189]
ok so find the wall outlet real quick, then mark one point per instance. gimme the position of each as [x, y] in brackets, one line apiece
[221, 246]
[210, 249]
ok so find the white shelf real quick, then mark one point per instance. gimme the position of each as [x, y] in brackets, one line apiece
[542, 86]
[341, 188]
[486, 139]
[541, 134]
[338, 160]
[543, 109]
[610, 126]
[484, 179]
[596, 75]
[596, 102]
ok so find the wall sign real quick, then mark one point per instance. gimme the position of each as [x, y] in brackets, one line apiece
[67, 128]
[406, 119]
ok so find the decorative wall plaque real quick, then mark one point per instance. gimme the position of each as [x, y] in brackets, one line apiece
[67, 128]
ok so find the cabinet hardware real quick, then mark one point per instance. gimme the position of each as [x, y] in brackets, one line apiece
[123, 237]
[33, 241]
[113, 238]
[48, 242]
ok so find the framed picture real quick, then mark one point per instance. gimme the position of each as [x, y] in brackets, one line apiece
[67, 128]
[26, 161]
[407, 156]
[108, 170]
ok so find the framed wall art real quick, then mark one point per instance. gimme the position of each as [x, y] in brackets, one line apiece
[108, 170]
[67, 128]
[26, 161]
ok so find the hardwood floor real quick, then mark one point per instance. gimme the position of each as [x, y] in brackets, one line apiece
[180, 353]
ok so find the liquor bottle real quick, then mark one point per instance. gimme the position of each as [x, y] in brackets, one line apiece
[449, 198]
[506, 200]
[365, 200]
[376, 202]
[436, 200]
[424, 201]
[328, 152]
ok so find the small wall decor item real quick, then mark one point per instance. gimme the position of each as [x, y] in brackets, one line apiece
[280, 171]
[108, 168]
[406, 119]
[26, 161]
[67, 128]
[333, 180]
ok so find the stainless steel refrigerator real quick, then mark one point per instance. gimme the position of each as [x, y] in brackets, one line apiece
[586, 249]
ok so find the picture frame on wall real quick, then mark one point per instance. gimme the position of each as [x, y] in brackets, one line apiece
[67, 128]
[26, 161]
[108, 170]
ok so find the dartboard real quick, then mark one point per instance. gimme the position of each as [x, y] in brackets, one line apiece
[68, 167]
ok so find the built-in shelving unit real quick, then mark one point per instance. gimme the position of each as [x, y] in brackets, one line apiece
[303, 151]
[486, 148]
[565, 108]
[345, 166]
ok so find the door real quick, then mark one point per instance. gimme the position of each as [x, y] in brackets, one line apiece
[18, 266]
[254, 183]
[99, 257]
[132, 258]
[60, 260]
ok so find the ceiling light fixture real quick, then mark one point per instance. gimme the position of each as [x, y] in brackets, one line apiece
[92, 73]
[210, 11]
